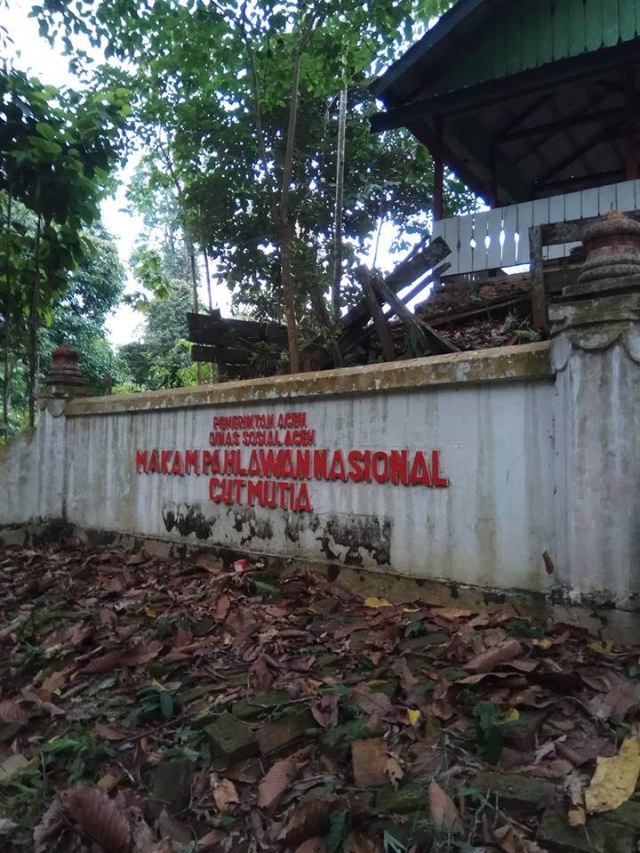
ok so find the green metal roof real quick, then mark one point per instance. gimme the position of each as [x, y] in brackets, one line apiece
[495, 71]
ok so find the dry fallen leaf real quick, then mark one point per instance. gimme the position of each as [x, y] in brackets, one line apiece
[615, 779]
[485, 661]
[225, 795]
[11, 765]
[12, 712]
[209, 841]
[377, 602]
[98, 817]
[444, 813]
[279, 777]
[369, 762]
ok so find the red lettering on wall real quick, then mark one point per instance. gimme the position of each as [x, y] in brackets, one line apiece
[141, 461]
[268, 460]
[337, 470]
[380, 466]
[440, 482]
[154, 462]
[191, 462]
[420, 475]
[177, 468]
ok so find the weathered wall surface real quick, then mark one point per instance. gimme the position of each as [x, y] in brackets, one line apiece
[490, 525]
[438, 468]
[33, 472]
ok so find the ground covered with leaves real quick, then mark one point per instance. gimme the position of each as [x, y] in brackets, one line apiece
[150, 705]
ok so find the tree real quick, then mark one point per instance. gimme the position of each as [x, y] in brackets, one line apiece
[79, 315]
[239, 107]
[56, 150]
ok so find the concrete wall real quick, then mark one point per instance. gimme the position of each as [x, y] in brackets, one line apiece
[514, 468]
[488, 417]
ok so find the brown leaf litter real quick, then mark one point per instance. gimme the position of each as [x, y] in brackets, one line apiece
[151, 706]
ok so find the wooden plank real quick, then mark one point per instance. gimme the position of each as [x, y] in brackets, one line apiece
[556, 214]
[561, 27]
[607, 199]
[593, 24]
[626, 196]
[229, 337]
[572, 232]
[465, 252]
[426, 282]
[538, 297]
[224, 355]
[404, 274]
[589, 202]
[494, 227]
[377, 315]
[509, 225]
[627, 19]
[577, 27]
[543, 18]
[227, 327]
[480, 230]
[610, 22]
[198, 322]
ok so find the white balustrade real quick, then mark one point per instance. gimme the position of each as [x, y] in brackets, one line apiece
[491, 239]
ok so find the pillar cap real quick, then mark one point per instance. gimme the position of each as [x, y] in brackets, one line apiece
[64, 372]
[613, 256]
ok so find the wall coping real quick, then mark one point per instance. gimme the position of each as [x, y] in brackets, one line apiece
[502, 364]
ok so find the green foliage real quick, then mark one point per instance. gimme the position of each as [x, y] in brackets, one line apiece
[489, 728]
[211, 88]
[56, 150]
[338, 828]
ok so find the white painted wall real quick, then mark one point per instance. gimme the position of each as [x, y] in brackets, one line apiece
[489, 414]
[490, 526]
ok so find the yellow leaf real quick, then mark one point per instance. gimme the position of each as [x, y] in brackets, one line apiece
[414, 716]
[377, 602]
[601, 647]
[149, 611]
[615, 779]
[545, 643]
[512, 716]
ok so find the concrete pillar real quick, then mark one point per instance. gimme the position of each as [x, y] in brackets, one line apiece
[595, 352]
[63, 382]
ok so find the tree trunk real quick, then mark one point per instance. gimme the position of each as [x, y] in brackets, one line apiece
[208, 277]
[284, 227]
[7, 310]
[337, 218]
[194, 284]
[33, 326]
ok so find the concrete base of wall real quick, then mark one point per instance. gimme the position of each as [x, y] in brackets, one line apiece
[608, 622]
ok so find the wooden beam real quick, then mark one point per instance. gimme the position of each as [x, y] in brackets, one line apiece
[514, 86]
[553, 127]
[538, 296]
[580, 182]
[631, 126]
[415, 328]
[217, 354]
[438, 172]
[377, 315]
[595, 140]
